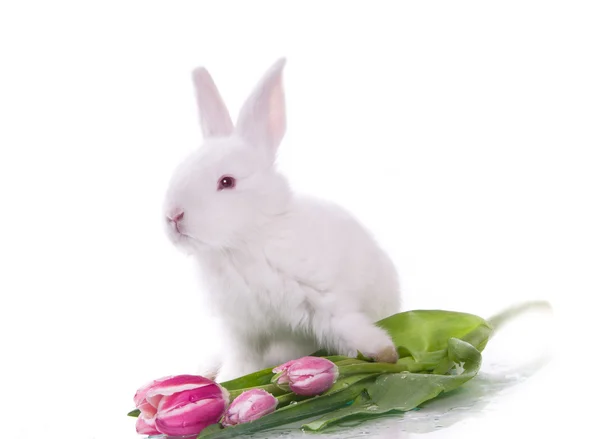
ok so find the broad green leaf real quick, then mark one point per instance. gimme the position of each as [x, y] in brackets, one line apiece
[404, 391]
[424, 334]
[421, 336]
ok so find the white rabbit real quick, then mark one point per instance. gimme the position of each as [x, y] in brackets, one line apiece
[288, 274]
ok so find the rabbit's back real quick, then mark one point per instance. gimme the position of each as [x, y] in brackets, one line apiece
[323, 244]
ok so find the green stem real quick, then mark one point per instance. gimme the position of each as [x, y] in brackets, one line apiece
[259, 378]
[336, 358]
[288, 398]
[349, 361]
[500, 319]
[271, 388]
[371, 368]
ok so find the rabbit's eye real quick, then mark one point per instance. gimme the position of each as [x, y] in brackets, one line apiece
[226, 183]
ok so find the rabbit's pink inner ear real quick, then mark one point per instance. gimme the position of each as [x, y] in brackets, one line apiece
[277, 119]
[262, 119]
[214, 116]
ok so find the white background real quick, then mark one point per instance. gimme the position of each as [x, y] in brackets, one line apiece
[464, 134]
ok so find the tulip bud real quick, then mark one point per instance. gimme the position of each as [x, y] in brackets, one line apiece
[179, 405]
[306, 376]
[249, 406]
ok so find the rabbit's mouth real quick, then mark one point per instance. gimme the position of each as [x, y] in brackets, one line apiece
[177, 234]
[185, 242]
[182, 236]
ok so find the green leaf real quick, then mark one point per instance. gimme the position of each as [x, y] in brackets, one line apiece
[212, 429]
[421, 337]
[271, 388]
[404, 391]
[134, 413]
[344, 383]
[350, 361]
[361, 404]
[260, 378]
[364, 367]
[288, 398]
[424, 334]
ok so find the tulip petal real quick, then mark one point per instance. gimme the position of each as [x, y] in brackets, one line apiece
[140, 395]
[184, 418]
[312, 385]
[310, 366]
[249, 406]
[153, 401]
[176, 384]
[283, 367]
[147, 409]
[145, 425]
[186, 397]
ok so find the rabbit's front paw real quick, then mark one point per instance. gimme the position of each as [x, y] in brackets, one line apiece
[356, 333]
[386, 355]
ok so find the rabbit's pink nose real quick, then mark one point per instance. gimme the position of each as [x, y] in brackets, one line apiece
[175, 216]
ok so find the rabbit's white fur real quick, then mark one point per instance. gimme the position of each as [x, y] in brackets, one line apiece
[287, 274]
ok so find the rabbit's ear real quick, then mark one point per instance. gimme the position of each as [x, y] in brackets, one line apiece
[214, 116]
[262, 118]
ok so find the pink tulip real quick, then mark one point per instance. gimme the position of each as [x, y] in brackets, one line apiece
[249, 406]
[307, 376]
[179, 405]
